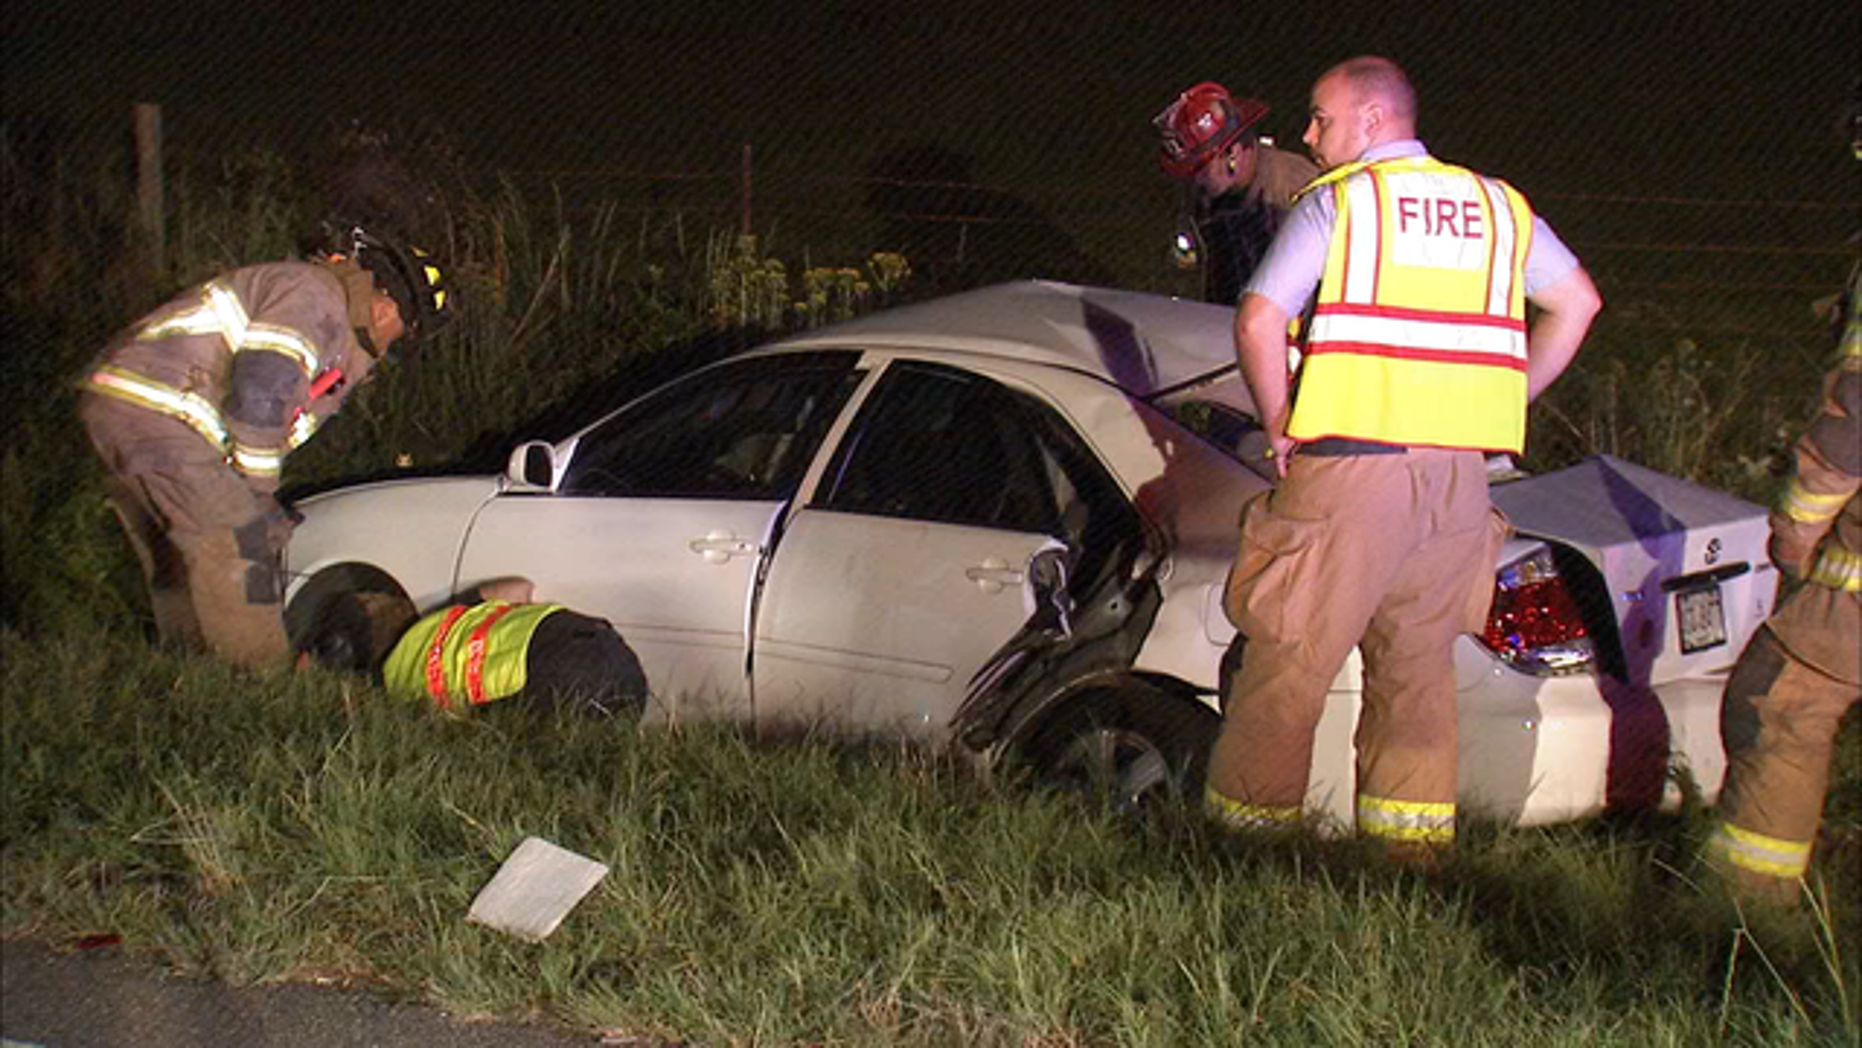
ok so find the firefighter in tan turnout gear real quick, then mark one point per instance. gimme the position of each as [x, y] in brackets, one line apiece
[195, 407]
[1418, 359]
[1803, 669]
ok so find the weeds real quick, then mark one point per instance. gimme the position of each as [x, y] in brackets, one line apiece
[267, 827]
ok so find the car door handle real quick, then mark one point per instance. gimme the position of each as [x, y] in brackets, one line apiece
[720, 546]
[993, 574]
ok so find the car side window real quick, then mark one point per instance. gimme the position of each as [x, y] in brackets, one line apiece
[1219, 425]
[739, 431]
[941, 445]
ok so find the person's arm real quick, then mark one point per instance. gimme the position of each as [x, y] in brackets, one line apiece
[1827, 473]
[1279, 288]
[1566, 307]
[291, 324]
[1261, 346]
[511, 590]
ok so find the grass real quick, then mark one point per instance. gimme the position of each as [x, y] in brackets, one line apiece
[263, 828]
[307, 827]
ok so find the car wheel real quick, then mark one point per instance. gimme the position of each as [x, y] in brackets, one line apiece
[345, 614]
[1134, 748]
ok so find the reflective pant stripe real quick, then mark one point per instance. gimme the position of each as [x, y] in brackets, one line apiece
[1762, 854]
[1236, 815]
[1427, 821]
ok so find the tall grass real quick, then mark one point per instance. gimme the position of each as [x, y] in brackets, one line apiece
[266, 828]
[561, 310]
[270, 828]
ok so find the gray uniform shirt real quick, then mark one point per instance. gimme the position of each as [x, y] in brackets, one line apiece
[1290, 273]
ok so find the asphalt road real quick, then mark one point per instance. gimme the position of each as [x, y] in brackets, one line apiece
[102, 999]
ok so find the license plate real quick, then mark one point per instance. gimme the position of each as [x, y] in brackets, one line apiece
[1702, 617]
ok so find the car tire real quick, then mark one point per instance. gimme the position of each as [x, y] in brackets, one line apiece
[1133, 748]
[315, 610]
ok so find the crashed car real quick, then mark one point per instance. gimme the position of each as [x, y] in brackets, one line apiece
[1001, 521]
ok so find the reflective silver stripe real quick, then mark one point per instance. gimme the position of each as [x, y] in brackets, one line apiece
[142, 391]
[1503, 343]
[1811, 507]
[1366, 226]
[1839, 569]
[1761, 854]
[282, 340]
[221, 313]
[1238, 816]
[1427, 821]
[1505, 231]
[303, 427]
[260, 461]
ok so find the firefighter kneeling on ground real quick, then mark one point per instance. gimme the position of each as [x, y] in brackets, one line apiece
[195, 407]
[488, 645]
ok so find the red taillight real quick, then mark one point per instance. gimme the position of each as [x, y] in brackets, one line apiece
[1535, 625]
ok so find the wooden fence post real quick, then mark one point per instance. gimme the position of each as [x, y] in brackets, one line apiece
[746, 190]
[149, 180]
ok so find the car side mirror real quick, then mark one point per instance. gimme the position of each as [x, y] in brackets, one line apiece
[532, 465]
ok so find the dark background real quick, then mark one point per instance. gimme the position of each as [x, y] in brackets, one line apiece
[1678, 146]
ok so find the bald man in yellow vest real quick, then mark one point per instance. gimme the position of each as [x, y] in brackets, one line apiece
[1418, 360]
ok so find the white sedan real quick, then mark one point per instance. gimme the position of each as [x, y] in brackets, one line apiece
[1002, 521]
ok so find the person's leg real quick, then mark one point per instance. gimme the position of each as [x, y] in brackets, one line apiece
[1312, 566]
[1407, 730]
[1778, 721]
[129, 446]
[231, 563]
[580, 658]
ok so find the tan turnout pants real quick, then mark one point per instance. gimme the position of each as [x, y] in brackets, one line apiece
[1778, 720]
[1394, 552]
[199, 532]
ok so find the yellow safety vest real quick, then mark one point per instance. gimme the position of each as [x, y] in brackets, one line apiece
[476, 652]
[1418, 336]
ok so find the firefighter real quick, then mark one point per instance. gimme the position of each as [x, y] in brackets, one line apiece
[195, 407]
[1802, 670]
[1418, 359]
[1238, 189]
[490, 644]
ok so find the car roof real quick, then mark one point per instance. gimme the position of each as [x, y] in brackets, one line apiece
[1143, 343]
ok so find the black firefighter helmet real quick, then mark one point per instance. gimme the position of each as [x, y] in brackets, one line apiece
[403, 272]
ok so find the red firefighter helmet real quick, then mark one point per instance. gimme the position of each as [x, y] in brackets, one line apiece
[1200, 124]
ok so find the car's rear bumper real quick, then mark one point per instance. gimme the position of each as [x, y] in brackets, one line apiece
[1543, 750]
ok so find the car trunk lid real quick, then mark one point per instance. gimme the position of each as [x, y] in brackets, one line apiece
[1681, 567]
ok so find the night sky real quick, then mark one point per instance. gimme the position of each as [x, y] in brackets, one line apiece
[1707, 99]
